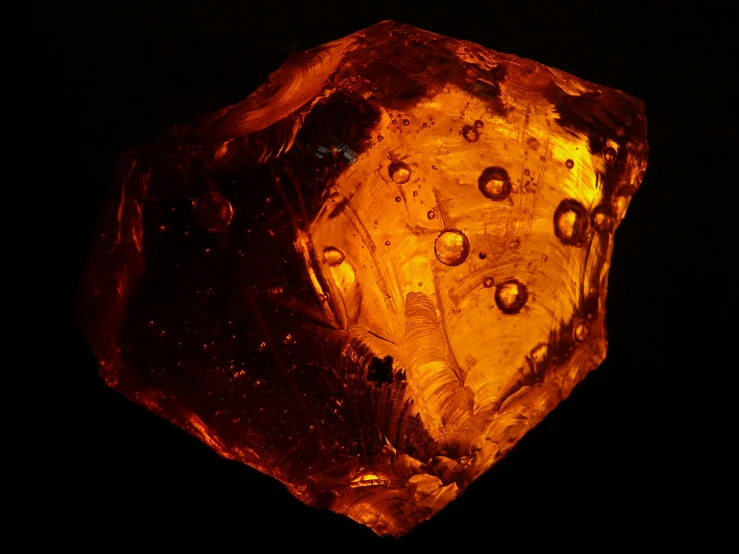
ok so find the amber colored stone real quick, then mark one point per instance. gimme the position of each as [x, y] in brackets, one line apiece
[290, 279]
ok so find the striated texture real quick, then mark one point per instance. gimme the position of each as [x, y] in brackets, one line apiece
[371, 277]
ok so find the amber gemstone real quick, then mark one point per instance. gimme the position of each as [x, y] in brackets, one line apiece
[301, 296]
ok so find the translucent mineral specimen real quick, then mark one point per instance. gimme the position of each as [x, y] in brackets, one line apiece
[371, 277]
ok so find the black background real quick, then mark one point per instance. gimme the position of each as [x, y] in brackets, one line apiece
[639, 458]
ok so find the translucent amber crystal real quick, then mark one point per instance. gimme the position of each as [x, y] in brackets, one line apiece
[371, 277]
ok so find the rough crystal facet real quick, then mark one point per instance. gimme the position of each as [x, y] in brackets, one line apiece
[371, 277]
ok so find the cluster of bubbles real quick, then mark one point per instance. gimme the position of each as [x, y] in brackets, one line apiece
[571, 225]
